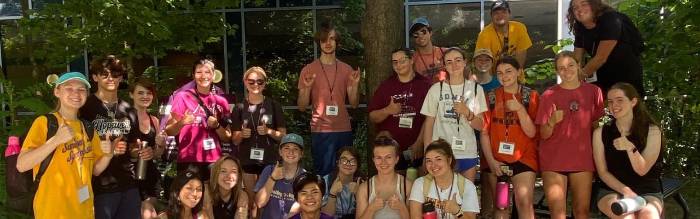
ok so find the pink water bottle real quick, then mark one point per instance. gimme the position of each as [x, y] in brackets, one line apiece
[13, 146]
[502, 195]
[429, 210]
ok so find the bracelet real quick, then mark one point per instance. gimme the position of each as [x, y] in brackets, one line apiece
[459, 215]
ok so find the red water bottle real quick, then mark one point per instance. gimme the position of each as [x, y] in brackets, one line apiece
[502, 195]
[13, 146]
[429, 210]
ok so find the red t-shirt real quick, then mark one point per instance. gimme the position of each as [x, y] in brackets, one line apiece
[411, 98]
[333, 77]
[569, 148]
[429, 65]
[495, 122]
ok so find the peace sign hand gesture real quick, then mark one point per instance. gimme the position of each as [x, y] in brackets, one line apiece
[308, 79]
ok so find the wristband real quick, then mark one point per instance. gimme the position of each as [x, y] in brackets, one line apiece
[459, 214]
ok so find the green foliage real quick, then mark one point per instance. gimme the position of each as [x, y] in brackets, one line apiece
[543, 70]
[671, 33]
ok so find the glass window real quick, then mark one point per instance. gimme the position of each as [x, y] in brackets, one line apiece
[540, 17]
[329, 2]
[234, 46]
[10, 9]
[39, 4]
[260, 3]
[295, 3]
[281, 43]
[453, 24]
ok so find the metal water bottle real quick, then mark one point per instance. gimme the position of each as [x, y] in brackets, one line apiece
[502, 195]
[628, 205]
[429, 210]
[142, 165]
[171, 149]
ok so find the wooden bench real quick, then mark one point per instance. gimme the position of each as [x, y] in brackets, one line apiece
[671, 188]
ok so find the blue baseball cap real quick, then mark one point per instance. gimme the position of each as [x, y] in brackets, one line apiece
[65, 77]
[292, 138]
[418, 23]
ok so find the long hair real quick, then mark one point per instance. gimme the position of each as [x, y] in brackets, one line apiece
[597, 6]
[214, 179]
[182, 178]
[569, 54]
[641, 116]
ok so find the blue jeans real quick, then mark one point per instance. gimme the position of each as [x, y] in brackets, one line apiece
[324, 147]
[117, 205]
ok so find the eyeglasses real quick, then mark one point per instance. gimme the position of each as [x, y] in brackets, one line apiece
[110, 74]
[421, 32]
[348, 162]
[255, 81]
[400, 61]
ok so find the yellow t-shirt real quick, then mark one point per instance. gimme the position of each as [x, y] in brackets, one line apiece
[57, 195]
[518, 39]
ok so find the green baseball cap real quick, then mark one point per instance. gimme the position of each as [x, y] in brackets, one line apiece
[65, 77]
[293, 138]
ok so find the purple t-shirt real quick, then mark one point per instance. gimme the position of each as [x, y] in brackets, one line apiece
[569, 148]
[322, 216]
[411, 96]
[281, 197]
[192, 136]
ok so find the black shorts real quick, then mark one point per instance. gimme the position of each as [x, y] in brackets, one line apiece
[517, 167]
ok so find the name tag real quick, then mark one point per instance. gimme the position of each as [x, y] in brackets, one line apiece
[332, 110]
[83, 194]
[406, 122]
[506, 148]
[257, 154]
[458, 144]
[197, 119]
[208, 144]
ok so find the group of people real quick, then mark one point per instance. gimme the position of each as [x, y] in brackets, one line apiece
[442, 112]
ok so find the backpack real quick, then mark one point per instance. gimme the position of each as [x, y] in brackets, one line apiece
[21, 186]
[524, 92]
[428, 181]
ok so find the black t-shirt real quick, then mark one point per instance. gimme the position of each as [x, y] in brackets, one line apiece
[222, 209]
[623, 63]
[619, 164]
[252, 116]
[119, 118]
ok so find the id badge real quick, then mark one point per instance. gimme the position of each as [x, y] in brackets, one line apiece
[406, 122]
[83, 193]
[197, 119]
[209, 144]
[257, 154]
[332, 110]
[506, 148]
[458, 144]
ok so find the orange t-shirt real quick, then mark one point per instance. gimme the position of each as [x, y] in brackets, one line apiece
[495, 122]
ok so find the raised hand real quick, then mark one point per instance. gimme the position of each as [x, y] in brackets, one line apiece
[623, 144]
[355, 77]
[308, 79]
[262, 129]
[63, 134]
[395, 203]
[336, 187]
[277, 172]
[212, 122]
[556, 116]
[118, 144]
[513, 105]
[106, 146]
[188, 118]
[377, 203]
[393, 108]
[461, 108]
[451, 206]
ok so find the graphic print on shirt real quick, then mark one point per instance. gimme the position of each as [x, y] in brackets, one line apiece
[448, 101]
[77, 149]
[115, 127]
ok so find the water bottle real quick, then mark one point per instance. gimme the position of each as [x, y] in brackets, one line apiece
[502, 195]
[13, 146]
[142, 164]
[429, 210]
[628, 205]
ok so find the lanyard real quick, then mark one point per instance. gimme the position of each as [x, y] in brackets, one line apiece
[504, 49]
[507, 116]
[330, 86]
[261, 111]
[432, 65]
[464, 85]
[76, 150]
[437, 191]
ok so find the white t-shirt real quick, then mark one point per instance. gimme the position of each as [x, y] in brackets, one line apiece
[439, 104]
[468, 200]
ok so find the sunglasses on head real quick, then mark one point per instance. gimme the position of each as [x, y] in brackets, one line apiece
[255, 81]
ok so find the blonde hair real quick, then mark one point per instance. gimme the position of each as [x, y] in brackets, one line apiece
[255, 69]
[569, 54]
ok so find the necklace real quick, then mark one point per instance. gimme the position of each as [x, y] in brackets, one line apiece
[443, 212]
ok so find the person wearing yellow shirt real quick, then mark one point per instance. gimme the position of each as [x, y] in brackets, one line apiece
[503, 36]
[65, 189]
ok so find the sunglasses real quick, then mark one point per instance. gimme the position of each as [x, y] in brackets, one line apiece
[256, 81]
[421, 32]
[111, 74]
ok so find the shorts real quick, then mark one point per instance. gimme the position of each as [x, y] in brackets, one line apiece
[517, 168]
[602, 192]
[467, 163]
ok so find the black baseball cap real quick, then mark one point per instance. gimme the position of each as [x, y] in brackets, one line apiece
[500, 4]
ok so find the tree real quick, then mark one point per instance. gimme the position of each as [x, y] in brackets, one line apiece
[59, 33]
[671, 33]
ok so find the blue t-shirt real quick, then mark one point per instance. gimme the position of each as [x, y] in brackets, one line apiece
[492, 85]
[281, 196]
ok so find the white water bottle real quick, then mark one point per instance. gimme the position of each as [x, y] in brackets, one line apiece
[628, 205]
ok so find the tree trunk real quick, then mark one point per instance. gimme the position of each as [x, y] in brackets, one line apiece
[381, 32]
